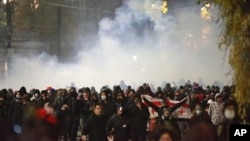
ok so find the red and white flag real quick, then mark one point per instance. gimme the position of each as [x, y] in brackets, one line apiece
[182, 112]
[157, 102]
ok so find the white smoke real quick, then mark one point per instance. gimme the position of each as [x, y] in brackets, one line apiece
[140, 44]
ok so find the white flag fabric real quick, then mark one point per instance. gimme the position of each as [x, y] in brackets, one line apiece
[182, 112]
[157, 102]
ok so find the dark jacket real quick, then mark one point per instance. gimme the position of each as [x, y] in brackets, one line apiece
[139, 119]
[74, 106]
[41, 102]
[15, 112]
[170, 124]
[204, 117]
[120, 127]
[224, 128]
[109, 107]
[95, 128]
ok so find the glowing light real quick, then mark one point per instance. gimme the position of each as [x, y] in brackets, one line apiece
[207, 5]
[164, 7]
[205, 13]
[153, 5]
[190, 41]
[143, 69]
[134, 57]
[4, 1]
[35, 5]
[17, 129]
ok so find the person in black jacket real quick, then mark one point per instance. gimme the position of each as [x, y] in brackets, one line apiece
[118, 127]
[166, 121]
[16, 110]
[95, 125]
[139, 117]
[43, 99]
[109, 107]
[199, 116]
[71, 110]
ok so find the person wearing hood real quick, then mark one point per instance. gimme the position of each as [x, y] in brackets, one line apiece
[43, 99]
[35, 98]
[139, 116]
[15, 110]
[118, 126]
[109, 107]
[71, 108]
[22, 91]
[199, 116]
[230, 113]
[93, 98]
[121, 100]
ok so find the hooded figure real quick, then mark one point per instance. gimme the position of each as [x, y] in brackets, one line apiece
[139, 116]
[119, 126]
[22, 90]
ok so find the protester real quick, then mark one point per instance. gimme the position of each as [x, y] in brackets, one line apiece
[139, 115]
[167, 121]
[216, 110]
[231, 117]
[71, 110]
[120, 113]
[109, 107]
[199, 116]
[119, 127]
[94, 128]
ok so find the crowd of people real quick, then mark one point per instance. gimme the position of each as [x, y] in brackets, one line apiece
[116, 114]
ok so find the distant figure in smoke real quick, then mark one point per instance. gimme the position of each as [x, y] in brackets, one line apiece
[123, 85]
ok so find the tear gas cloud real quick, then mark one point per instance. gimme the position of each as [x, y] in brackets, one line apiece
[140, 44]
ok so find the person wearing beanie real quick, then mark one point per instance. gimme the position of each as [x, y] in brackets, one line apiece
[199, 116]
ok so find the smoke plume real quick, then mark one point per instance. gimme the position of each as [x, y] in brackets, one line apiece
[139, 44]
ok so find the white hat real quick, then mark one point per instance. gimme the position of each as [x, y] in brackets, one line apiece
[217, 95]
